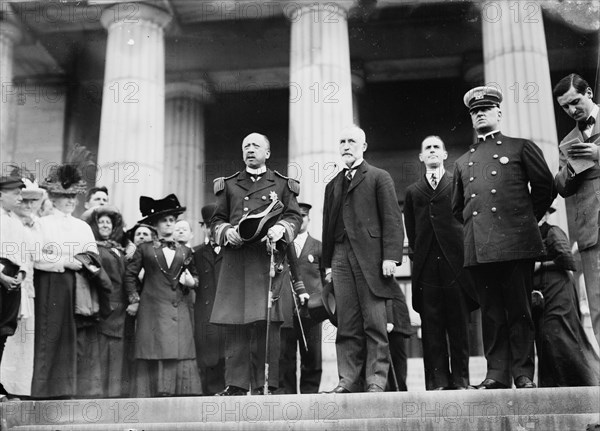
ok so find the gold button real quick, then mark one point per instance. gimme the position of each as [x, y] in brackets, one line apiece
[246, 198]
[493, 209]
[471, 179]
[472, 150]
[494, 172]
[245, 209]
[474, 213]
[498, 142]
[495, 156]
[493, 191]
[470, 163]
[264, 198]
[473, 195]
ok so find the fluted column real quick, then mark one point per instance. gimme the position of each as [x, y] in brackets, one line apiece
[320, 98]
[516, 60]
[185, 147]
[9, 36]
[132, 127]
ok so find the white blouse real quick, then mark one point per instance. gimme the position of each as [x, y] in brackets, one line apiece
[62, 237]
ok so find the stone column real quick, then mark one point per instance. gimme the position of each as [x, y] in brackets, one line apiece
[184, 148]
[9, 36]
[132, 127]
[320, 99]
[516, 60]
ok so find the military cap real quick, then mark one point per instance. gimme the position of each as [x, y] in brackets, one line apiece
[482, 97]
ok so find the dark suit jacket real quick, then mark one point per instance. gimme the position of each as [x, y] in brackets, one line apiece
[491, 198]
[164, 319]
[310, 269]
[586, 189]
[428, 218]
[209, 338]
[373, 223]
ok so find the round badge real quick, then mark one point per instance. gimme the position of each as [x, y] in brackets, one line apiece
[311, 258]
[504, 160]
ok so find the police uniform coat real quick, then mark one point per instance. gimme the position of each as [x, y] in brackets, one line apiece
[372, 220]
[243, 284]
[428, 218]
[164, 319]
[585, 187]
[491, 198]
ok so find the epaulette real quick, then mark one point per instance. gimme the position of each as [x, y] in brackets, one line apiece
[219, 183]
[293, 185]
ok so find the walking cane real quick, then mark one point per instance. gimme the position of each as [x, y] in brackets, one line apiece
[298, 315]
[396, 386]
[271, 249]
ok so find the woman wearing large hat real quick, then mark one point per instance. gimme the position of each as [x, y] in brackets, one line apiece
[164, 342]
[107, 224]
[62, 237]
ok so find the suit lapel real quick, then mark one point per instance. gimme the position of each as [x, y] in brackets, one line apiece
[444, 182]
[359, 176]
[424, 187]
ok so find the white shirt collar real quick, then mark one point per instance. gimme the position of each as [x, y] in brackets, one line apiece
[257, 171]
[594, 112]
[356, 163]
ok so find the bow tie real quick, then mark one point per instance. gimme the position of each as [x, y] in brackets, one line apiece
[168, 243]
[582, 125]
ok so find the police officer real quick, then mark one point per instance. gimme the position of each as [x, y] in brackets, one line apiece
[243, 285]
[502, 187]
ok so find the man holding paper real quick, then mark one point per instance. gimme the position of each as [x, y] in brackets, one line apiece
[579, 176]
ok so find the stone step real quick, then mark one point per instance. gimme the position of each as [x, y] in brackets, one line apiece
[535, 409]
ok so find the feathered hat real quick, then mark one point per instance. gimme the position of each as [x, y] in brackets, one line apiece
[67, 178]
[12, 178]
[152, 210]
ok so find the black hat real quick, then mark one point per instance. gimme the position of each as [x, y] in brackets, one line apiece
[304, 207]
[321, 305]
[13, 179]
[207, 212]
[131, 232]
[152, 210]
[255, 224]
[482, 97]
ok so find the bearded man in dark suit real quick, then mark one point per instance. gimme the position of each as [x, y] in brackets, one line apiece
[502, 187]
[362, 244]
[574, 95]
[435, 240]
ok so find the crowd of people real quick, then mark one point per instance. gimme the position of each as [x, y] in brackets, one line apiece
[90, 309]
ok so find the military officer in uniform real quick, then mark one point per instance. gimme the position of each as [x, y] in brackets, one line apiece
[502, 187]
[243, 285]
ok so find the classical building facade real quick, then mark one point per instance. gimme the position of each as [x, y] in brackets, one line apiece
[163, 92]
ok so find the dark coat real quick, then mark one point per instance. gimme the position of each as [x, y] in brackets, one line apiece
[209, 338]
[586, 189]
[373, 223]
[243, 285]
[428, 218]
[114, 265]
[310, 271]
[164, 319]
[491, 198]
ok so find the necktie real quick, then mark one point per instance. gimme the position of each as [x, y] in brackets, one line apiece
[349, 173]
[582, 125]
[433, 180]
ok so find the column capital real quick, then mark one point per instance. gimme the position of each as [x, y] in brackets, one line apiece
[133, 13]
[294, 11]
[198, 91]
[10, 31]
